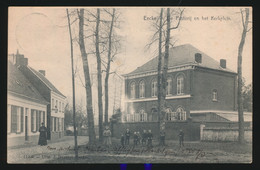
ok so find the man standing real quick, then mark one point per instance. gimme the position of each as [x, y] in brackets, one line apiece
[149, 138]
[181, 138]
[122, 140]
[127, 136]
[43, 135]
[162, 138]
[135, 138]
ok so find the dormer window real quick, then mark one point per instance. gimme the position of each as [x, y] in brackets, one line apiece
[214, 95]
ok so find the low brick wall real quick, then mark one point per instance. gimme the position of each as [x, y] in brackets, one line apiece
[223, 134]
[191, 130]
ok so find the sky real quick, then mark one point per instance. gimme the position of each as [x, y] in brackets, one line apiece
[41, 34]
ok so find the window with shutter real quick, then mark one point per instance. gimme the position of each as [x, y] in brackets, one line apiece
[22, 119]
[37, 120]
[18, 120]
[32, 120]
[13, 119]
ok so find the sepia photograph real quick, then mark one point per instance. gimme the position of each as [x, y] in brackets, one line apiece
[104, 85]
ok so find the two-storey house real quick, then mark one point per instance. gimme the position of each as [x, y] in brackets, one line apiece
[198, 87]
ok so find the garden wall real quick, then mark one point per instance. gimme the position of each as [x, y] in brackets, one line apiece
[191, 129]
[223, 134]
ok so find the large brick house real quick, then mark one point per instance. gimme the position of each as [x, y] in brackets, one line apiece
[198, 87]
[54, 100]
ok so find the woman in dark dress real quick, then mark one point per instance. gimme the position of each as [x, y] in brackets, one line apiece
[43, 135]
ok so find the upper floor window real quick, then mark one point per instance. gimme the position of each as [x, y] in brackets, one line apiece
[52, 103]
[180, 84]
[59, 106]
[132, 90]
[63, 107]
[141, 89]
[154, 88]
[214, 95]
[56, 106]
[169, 86]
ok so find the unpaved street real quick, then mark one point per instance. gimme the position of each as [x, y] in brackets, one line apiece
[41, 154]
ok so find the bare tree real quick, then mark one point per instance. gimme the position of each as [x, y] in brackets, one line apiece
[99, 76]
[84, 56]
[73, 88]
[166, 58]
[108, 64]
[245, 20]
[162, 35]
[159, 75]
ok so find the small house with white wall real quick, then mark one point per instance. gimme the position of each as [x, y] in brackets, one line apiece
[54, 98]
[26, 108]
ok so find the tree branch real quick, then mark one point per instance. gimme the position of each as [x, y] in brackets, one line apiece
[178, 21]
[249, 29]
[242, 15]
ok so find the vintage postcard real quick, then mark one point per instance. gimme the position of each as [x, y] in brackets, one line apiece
[129, 85]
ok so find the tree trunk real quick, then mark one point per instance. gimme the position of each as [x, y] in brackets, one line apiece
[159, 73]
[108, 67]
[91, 129]
[99, 75]
[165, 68]
[239, 71]
[73, 89]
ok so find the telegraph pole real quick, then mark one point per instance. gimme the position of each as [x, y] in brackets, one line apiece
[73, 89]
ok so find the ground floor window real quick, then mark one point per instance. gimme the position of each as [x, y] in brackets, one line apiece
[143, 116]
[17, 118]
[37, 117]
[57, 124]
[180, 114]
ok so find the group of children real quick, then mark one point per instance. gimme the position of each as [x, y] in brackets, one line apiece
[146, 138]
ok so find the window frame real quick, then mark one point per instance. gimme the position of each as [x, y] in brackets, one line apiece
[142, 89]
[132, 90]
[169, 88]
[180, 85]
[154, 88]
[214, 95]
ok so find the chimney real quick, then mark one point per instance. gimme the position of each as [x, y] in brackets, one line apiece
[223, 63]
[198, 58]
[20, 60]
[42, 72]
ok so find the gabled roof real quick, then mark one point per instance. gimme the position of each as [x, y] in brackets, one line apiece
[181, 55]
[43, 79]
[19, 85]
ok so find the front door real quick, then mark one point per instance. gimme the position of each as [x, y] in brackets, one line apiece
[26, 128]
